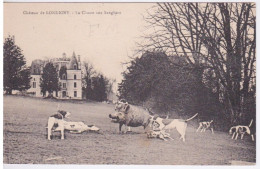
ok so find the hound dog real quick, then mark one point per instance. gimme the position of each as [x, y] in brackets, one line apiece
[166, 124]
[57, 119]
[158, 134]
[242, 130]
[203, 126]
[76, 127]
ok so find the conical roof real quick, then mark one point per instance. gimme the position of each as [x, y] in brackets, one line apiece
[73, 62]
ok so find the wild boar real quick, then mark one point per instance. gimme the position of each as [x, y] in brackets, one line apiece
[130, 115]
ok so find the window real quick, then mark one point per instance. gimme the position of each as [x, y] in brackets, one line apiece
[64, 85]
[75, 76]
[64, 76]
[75, 93]
[75, 84]
[34, 84]
[75, 67]
[64, 94]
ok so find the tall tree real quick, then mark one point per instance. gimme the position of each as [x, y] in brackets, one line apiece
[16, 74]
[88, 74]
[99, 88]
[219, 38]
[49, 80]
[155, 81]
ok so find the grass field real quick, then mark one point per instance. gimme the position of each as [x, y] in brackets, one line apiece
[25, 139]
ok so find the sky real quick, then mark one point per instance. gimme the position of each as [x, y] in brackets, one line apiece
[88, 29]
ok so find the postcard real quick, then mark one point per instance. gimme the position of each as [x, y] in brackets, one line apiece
[167, 83]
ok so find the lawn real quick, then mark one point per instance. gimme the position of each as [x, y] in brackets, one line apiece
[25, 139]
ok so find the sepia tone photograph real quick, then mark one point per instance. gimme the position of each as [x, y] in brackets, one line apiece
[166, 83]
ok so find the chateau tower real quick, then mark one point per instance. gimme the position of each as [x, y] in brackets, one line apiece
[69, 74]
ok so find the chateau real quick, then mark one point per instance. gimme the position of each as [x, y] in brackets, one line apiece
[69, 74]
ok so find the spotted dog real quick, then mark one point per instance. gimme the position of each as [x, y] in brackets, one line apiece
[77, 127]
[203, 126]
[57, 119]
[158, 134]
[242, 130]
[167, 124]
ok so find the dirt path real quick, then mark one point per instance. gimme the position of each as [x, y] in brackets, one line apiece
[25, 139]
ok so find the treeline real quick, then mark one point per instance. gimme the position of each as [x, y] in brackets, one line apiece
[95, 85]
[168, 84]
[206, 62]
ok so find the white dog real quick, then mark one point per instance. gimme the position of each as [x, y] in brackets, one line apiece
[203, 126]
[240, 129]
[57, 119]
[167, 124]
[158, 134]
[77, 127]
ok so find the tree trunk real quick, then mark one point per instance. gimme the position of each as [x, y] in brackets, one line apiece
[235, 115]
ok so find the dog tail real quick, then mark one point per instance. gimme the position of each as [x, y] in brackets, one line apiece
[250, 124]
[191, 117]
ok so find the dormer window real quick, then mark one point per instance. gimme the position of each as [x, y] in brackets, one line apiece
[64, 76]
[75, 66]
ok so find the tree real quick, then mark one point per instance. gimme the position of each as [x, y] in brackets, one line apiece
[217, 38]
[89, 72]
[155, 81]
[99, 88]
[95, 85]
[16, 74]
[49, 80]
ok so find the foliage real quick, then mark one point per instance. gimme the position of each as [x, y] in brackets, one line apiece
[99, 88]
[16, 74]
[168, 85]
[219, 38]
[95, 86]
[49, 80]
[88, 73]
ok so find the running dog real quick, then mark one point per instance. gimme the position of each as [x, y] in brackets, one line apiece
[203, 126]
[167, 124]
[242, 130]
[57, 119]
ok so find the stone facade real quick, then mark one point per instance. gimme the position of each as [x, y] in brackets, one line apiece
[69, 72]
